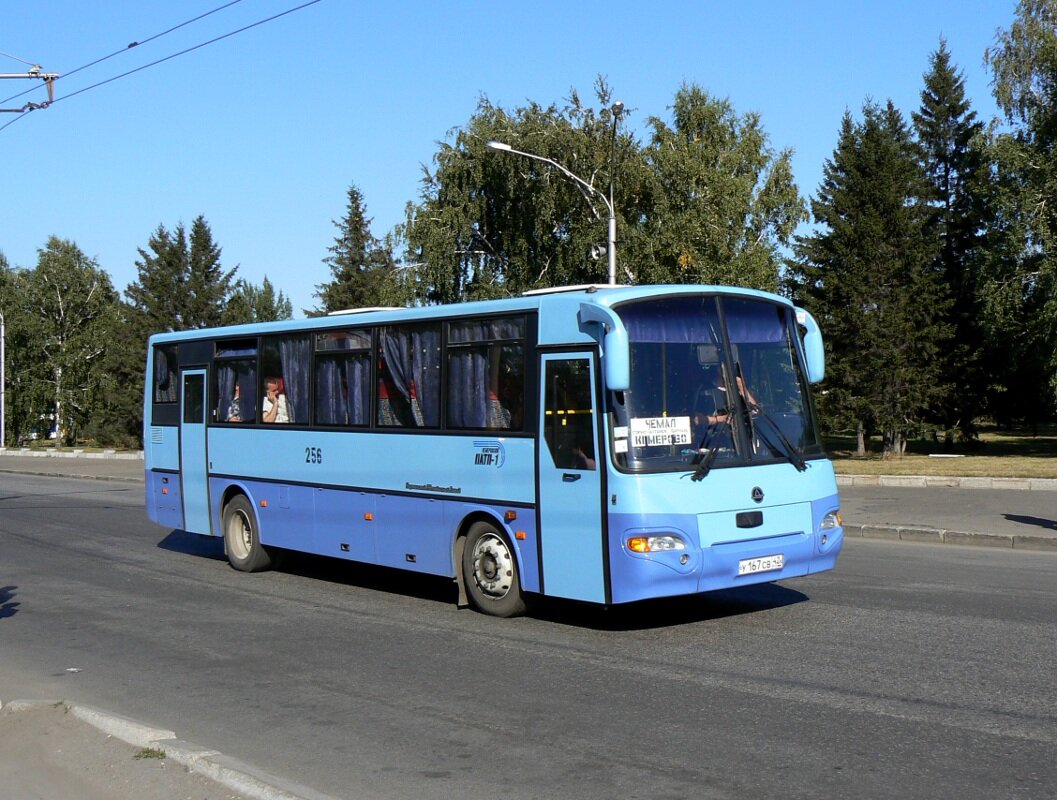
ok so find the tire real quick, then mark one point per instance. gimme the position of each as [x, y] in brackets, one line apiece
[242, 542]
[490, 572]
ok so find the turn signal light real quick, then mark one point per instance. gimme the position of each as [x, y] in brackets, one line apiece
[654, 544]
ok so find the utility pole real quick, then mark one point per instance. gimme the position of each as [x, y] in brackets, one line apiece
[3, 381]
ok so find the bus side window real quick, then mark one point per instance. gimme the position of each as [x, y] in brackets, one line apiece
[569, 417]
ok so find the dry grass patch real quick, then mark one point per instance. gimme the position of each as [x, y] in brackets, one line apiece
[998, 454]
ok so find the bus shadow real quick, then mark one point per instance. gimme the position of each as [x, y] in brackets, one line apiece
[344, 572]
[669, 611]
[8, 605]
[643, 615]
[193, 544]
[324, 568]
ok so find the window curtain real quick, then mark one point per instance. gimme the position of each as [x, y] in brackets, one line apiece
[225, 391]
[330, 404]
[247, 379]
[468, 388]
[413, 359]
[358, 383]
[426, 368]
[295, 355]
[755, 321]
[681, 320]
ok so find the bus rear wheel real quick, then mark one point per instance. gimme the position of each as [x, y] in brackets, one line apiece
[242, 542]
[490, 572]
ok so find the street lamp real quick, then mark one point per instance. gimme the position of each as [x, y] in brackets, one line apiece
[618, 109]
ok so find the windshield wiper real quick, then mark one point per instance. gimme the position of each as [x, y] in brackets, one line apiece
[774, 438]
[769, 431]
[705, 457]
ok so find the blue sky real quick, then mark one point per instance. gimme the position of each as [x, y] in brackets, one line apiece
[263, 132]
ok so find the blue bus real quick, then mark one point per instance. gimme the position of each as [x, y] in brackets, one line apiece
[599, 443]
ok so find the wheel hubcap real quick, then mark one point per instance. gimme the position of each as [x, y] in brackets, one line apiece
[493, 570]
[241, 535]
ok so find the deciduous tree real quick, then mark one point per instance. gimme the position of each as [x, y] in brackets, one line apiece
[75, 305]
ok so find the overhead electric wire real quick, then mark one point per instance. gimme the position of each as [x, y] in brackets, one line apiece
[16, 58]
[124, 49]
[166, 58]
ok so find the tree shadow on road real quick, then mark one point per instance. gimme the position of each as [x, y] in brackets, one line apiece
[1048, 524]
[8, 607]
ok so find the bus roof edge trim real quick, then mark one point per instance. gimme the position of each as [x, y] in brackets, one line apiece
[363, 310]
[579, 288]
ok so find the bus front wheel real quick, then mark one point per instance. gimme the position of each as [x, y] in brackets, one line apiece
[241, 538]
[490, 572]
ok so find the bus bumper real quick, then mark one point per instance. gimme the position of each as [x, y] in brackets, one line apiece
[712, 553]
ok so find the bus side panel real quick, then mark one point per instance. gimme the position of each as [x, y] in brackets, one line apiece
[161, 465]
[411, 534]
[161, 450]
[164, 502]
[286, 515]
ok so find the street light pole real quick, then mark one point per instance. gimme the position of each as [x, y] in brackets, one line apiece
[611, 250]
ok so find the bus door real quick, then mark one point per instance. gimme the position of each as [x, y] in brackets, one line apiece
[194, 486]
[570, 483]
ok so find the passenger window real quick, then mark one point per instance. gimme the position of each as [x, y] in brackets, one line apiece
[409, 376]
[285, 362]
[165, 366]
[486, 374]
[236, 382]
[343, 378]
[569, 420]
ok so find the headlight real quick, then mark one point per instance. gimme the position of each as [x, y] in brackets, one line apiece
[832, 520]
[655, 544]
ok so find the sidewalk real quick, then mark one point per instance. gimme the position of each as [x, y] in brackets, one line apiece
[71, 464]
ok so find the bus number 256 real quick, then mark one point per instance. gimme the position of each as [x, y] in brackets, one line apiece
[313, 455]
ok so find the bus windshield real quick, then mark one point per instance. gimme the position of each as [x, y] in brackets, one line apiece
[715, 381]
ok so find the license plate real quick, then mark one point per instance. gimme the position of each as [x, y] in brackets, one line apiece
[750, 566]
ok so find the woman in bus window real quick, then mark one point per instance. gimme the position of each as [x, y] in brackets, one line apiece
[273, 408]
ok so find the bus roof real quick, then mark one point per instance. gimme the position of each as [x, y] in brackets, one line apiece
[557, 306]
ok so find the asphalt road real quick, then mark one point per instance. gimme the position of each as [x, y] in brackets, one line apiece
[911, 671]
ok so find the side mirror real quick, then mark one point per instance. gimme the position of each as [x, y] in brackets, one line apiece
[615, 349]
[814, 352]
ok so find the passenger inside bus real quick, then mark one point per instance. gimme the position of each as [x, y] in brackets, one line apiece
[273, 408]
[234, 408]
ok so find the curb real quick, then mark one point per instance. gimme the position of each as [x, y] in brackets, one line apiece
[43, 474]
[933, 482]
[941, 536]
[215, 766]
[105, 455]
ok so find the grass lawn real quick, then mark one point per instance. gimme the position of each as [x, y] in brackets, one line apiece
[998, 454]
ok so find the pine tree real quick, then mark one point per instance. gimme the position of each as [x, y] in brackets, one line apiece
[208, 285]
[949, 136]
[868, 275]
[250, 303]
[361, 268]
